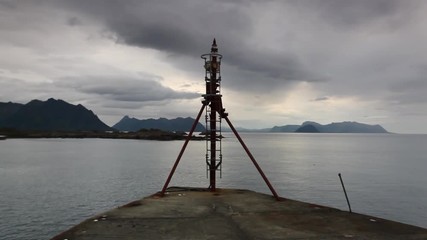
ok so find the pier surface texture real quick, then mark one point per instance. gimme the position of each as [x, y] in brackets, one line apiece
[193, 213]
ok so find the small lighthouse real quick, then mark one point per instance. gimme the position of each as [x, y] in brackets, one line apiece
[212, 103]
[214, 112]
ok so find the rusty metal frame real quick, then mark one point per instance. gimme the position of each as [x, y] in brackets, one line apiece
[215, 100]
[189, 136]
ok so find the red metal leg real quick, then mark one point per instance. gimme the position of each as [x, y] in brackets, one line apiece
[182, 150]
[253, 159]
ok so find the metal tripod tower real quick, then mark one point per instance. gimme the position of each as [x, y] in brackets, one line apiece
[213, 121]
[212, 101]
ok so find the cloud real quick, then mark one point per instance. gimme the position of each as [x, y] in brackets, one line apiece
[299, 41]
[124, 88]
[370, 51]
[187, 29]
[319, 99]
[357, 14]
[74, 21]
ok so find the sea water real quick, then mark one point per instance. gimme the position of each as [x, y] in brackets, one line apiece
[49, 185]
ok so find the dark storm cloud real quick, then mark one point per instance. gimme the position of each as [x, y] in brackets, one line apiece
[127, 89]
[350, 14]
[362, 51]
[179, 27]
[319, 99]
[186, 28]
[273, 65]
[74, 21]
[8, 4]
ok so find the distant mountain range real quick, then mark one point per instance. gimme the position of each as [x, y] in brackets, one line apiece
[340, 127]
[58, 115]
[177, 124]
[50, 115]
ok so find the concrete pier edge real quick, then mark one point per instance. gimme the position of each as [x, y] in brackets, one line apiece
[197, 213]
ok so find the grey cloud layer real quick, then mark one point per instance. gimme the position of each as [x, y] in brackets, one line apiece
[370, 50]
[124, 88]
[185, 28]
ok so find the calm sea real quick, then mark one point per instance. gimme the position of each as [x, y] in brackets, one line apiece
[49, 185]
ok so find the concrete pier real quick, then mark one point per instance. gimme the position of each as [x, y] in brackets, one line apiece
[193, 213]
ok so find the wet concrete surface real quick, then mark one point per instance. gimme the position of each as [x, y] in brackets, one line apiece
[194, 213]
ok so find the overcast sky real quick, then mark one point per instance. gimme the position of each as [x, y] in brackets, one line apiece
[284, 62]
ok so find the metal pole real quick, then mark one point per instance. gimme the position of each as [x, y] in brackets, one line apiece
[213, 100]
[182, 149]
[212, 167]
[253, 159]
[345, 192]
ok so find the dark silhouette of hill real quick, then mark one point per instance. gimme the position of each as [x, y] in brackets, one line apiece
[340, 127]
[307, 129]
[177, 124]
[50, 115]
[8, 109]
[347, 127]
[286, 128]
